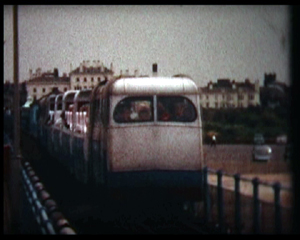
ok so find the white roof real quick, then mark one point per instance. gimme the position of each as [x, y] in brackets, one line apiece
[154, 85]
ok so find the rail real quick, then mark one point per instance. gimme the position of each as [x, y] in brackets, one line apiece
[237, 201]
[45, 209]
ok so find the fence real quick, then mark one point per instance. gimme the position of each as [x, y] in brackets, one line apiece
[242, 213]
[45, 209]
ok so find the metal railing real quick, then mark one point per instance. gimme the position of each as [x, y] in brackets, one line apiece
[256, 221]
[45, 209]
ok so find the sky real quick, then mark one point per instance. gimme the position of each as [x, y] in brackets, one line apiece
[204, 42]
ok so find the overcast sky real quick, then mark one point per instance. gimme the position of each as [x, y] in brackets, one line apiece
[205, 42]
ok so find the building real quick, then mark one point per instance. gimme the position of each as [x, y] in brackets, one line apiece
[40, 84]
[230, 94]
[88, 75]
[274, 94]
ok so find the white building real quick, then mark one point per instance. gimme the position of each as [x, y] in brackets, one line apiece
[88, 75]
[40, 84]
[226, 94]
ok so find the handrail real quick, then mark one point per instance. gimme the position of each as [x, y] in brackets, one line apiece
[45, 209]
[237, 209]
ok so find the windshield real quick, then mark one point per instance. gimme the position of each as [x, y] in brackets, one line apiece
[141, 109]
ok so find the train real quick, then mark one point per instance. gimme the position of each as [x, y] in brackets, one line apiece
[126, 135]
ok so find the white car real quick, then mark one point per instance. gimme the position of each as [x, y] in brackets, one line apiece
[261, 153]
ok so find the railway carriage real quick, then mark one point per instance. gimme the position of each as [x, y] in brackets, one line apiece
[134, 135]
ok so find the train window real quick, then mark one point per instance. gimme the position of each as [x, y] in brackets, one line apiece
[175, 109]
[59, 106]
[134, 109]
[52, 106]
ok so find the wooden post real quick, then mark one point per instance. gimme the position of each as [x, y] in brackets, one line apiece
[15, 182]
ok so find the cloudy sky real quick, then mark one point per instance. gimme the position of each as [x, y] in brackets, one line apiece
[205, 42]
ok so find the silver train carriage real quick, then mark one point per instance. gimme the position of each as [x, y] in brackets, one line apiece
[134, 134]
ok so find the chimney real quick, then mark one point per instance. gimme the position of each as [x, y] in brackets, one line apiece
[38, 72]
[154, 69]
[136, 72]
[55, 73]
[70, 67]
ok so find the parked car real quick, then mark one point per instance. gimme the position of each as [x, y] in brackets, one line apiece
[261, 153]
[258, 139]
[281, 139]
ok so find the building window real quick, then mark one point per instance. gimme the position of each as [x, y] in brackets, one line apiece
[207, 97]
[216, 96]
[65, 89]
[251, 96]
[98, 79]
[84, 79]
[216, 105]
[34, 90]
[240, 96]
[229, 97]
[92, 79]
[207, 105]
[44, 90]
[84, 87]
[77, 79]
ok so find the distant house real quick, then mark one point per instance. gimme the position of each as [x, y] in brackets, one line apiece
[273, 93]
[41, 84]
[88, 75]
[230, 94]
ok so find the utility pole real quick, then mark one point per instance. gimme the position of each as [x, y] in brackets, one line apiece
[16, 159]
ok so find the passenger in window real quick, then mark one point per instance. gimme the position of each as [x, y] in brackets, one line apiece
[126, 115]
[163, 114]
[62, 122]
[183, 112]
[123, 114]
[50, 120]
[144, 114]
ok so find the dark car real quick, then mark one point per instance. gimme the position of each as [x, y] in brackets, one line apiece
[258, 139]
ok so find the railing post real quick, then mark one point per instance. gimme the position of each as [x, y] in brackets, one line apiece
[206, 195]
[276, 187]
[237, 205]
[220, 201]
[256, 210]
